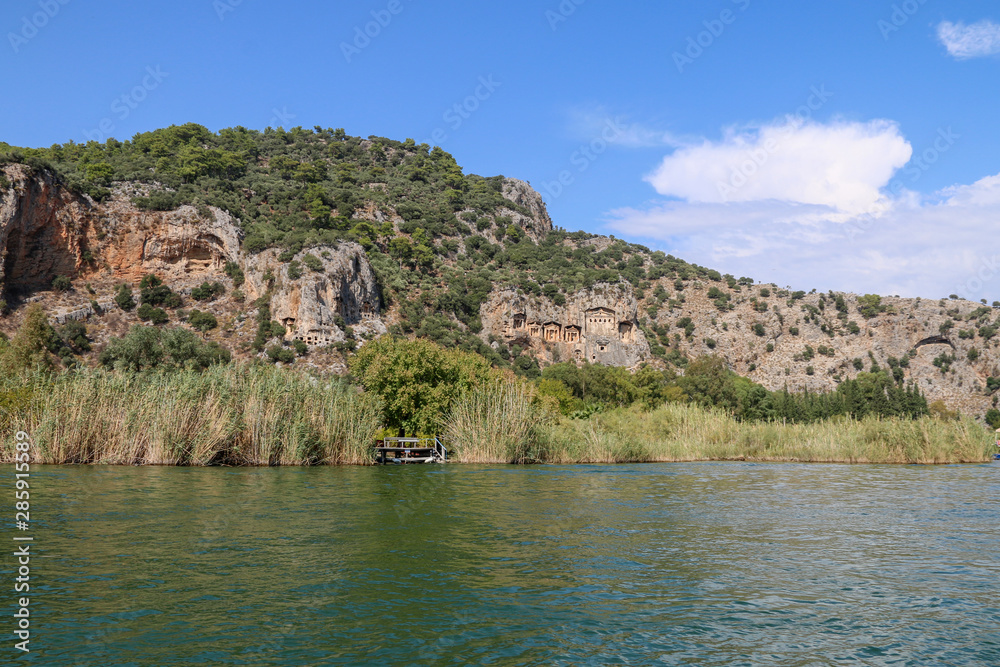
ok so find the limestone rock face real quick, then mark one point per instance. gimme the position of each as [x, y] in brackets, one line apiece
[313, 306]
[598, 325]
[539, 223]
[43, 231]
[48, 231]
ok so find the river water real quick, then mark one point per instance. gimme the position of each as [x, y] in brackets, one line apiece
[675, 564]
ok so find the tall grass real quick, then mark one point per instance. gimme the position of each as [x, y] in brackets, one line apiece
[676, 432]
[261, 415]
[232, 415]
[494, 424]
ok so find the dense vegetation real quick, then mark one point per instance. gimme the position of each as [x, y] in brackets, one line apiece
[456, 239]
[459, 237]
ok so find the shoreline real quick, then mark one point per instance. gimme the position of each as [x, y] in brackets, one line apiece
[262, 416]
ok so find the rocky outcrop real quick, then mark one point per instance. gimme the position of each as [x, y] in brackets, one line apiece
[806, 344]
[47, 231]
[598, 325]
[314, 307]
[43, 231]
[538, 224]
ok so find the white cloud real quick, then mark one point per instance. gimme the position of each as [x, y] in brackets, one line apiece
[970, 41]
[841, 165]
[914, 246]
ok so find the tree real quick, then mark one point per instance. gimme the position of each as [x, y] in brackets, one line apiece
[30, 347]
[418, 380]
[870, 305]
[154, 293]
[147, 313]
[124, 298]
[207, 291]
[709, 382]
[146, 347]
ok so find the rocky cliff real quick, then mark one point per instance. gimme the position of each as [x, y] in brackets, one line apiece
[599, 325]
[328, 294]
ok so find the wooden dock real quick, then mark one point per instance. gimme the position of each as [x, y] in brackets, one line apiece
[410, 450]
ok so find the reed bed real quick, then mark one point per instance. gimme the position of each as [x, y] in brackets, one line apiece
[676, 432]
[253, 415]
[495, 424]
[228, 415]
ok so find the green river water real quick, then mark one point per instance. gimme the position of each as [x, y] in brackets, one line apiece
[674, 564]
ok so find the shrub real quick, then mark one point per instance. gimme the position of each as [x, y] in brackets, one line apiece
[154, 293]
[301, 348]
[759, 330]
[313, 263]
[870, 305]
[234, 271]
[62, 284]
[208, 291]
[294, 270]
[146, 347]
[29, 349]
[147, 312]
[278, 353]
[793, 331]
[124, 298]
[972, 354]
[202, 321]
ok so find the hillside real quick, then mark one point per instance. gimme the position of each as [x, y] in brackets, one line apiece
[333, 240]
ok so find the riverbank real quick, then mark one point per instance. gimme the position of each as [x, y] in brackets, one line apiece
[256, 415]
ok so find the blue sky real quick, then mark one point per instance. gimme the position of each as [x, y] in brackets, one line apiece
[849, 145]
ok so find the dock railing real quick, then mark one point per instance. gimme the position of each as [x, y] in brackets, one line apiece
[411, 450]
